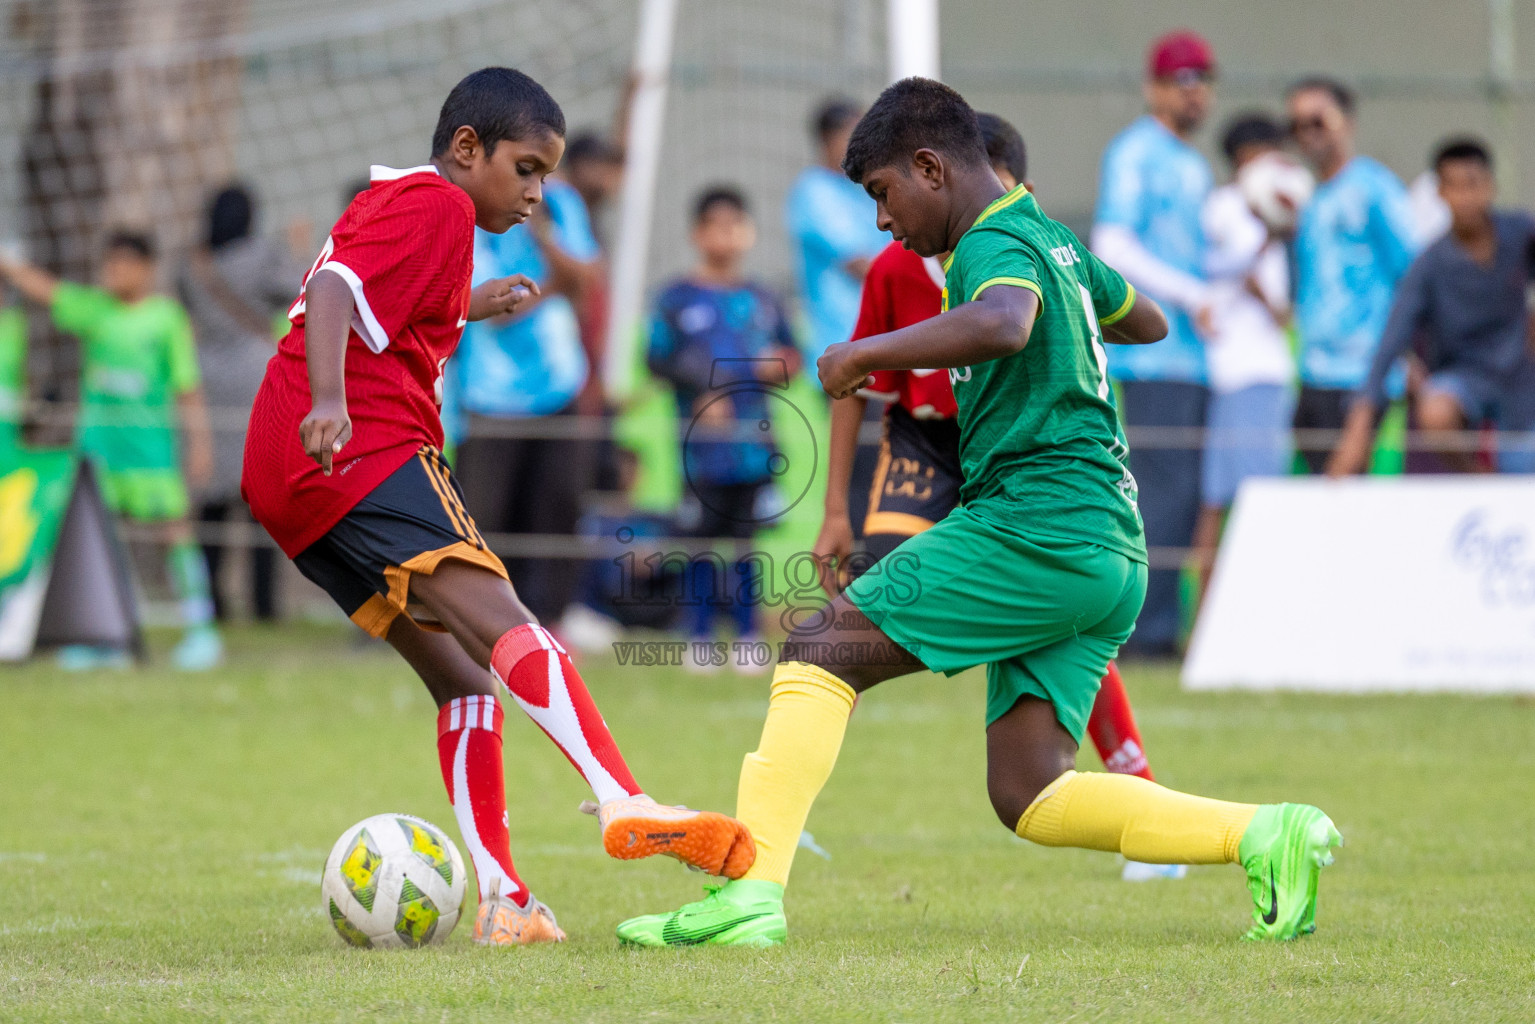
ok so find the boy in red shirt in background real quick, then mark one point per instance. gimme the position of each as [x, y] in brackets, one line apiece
[343, 466]
[917, 478]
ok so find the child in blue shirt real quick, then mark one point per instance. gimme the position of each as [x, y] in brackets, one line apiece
[722, 341]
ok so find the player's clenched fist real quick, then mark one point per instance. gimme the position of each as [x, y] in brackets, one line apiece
[324, 431]
[839, 370]
[501, 296]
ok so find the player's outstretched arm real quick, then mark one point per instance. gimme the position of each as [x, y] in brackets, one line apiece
[1144, 324]
[34, 283]
[1352, 455]
[328, 310]
[995, 324]
[198, 434]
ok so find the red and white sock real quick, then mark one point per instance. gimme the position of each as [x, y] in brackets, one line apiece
[1112, 727]
[469, 750]
[537, 672]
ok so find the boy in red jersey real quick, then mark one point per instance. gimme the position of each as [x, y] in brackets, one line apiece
[917, 478]
[343, 467]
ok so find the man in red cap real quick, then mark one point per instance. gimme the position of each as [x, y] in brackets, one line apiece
[1152, 187]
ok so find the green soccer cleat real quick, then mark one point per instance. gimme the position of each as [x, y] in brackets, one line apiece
[746, 912]
[1283, 850]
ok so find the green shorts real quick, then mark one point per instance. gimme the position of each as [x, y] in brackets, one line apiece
[144, 495]
[1044, 616]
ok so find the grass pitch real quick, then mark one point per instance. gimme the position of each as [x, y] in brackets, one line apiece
[161, 838]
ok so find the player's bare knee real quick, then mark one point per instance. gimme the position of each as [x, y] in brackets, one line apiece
[1008, 802]
[1013, 792]
[1439, 411]
[823, 652]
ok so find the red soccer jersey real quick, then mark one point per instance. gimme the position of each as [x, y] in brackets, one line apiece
[406, 248]
[902, 289]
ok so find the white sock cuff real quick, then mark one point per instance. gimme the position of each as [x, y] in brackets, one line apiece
[477, 711]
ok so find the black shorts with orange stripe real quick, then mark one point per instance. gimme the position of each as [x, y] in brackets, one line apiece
[916, 480]
[408, 524]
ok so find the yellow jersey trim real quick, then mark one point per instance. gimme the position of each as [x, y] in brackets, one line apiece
[1124, 307]
[1017, 282]
[1002, 202]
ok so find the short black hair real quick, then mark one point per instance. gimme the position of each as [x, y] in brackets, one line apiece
[231, 214]
[1462, 147]
[913, 114]
[1254, 128]
[719, 195]
[834, 114]
[1341, 94]
[137, 242]
[498, 103]
[1004, 146]
[590, 145]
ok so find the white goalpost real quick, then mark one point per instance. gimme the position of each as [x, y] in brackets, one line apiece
[642, 158]
[912, 37]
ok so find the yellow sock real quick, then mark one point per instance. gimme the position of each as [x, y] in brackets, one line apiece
[1140, 819]
[806, 718]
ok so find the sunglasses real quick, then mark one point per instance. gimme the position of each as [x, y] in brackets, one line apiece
[1190, 76]
[1310, 124]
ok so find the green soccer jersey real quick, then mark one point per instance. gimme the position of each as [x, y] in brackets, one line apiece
[1040, 443]
[135, 360]
[13, 376]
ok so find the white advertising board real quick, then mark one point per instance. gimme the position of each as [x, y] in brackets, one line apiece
[1373, 584]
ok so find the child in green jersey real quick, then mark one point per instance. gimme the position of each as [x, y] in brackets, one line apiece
[138, 379]
[13, 380]
[1038, 575]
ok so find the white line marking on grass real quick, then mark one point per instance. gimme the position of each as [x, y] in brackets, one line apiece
[58, 924]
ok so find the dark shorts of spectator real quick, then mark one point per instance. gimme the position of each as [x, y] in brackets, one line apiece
[529, 485]
[1507, 404]
[1323, 409]
[726, 509]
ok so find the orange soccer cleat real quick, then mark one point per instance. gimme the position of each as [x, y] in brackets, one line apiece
[637, 827]
[500, 922]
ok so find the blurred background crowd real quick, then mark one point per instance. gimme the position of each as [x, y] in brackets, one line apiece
[1312, 194]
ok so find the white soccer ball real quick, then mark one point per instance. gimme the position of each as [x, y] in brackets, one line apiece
[1277, 188]
[393, 881]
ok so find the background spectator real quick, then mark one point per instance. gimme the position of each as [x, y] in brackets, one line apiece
[1352, 243]
[1247, 350]
[594, 167]
[711, 330]
[633, 590]
[1151, 191]
[1465, 296]
[529, 366]
[13, 374]
[234, 285]
[139, 372]
[832, 232]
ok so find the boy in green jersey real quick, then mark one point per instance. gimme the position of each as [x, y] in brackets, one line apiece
[138, 377]
[13, 379]
[1038, 575]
